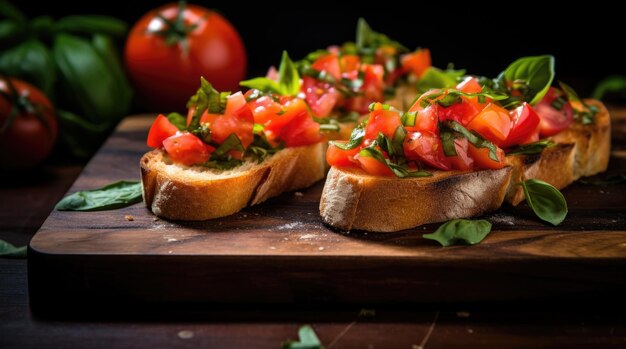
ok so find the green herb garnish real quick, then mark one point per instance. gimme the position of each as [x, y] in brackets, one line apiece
[460, 231]
[545, 200]
[112, 196]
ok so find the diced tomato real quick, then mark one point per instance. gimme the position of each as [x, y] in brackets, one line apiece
[463, 112]
[300, 131]
[524, 122]
[426, 147]
[469, 85]
[418, 103]
[493, 123]
[321, 97]
[385, 121]
[350, 63]
[553, 121]
[373, 81]
[417, 62]
[482, 159]
[237, 119]
[341, 158]
[329, 64]
[206, 118]
[187, 149]
[161, 129]
[264, 109]
[533, 137]
[462, 161]
[272, 73]
[373, 166]
[426, 119]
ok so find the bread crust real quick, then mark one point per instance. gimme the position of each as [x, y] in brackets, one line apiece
[352, 199]
[195, 193]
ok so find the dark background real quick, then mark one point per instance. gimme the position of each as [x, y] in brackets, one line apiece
[478, 36]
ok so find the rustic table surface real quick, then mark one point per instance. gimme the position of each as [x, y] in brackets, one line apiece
[25, 202]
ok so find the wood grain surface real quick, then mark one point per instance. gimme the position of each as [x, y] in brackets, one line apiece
[281, 252]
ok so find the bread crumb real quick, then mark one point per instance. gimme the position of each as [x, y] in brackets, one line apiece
[321, 248]
[129, 218]
[299, 194]
[463, 314]
[185, 334]
[155, 219]
[470, 331]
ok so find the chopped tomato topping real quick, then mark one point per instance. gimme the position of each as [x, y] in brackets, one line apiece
[524, 122]
[493, 123]
[342, 158]
[187, 149]
[417, 62]
[555, 113]
[161, 129]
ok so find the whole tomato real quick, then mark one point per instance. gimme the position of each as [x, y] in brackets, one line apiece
[171, 47]
[28, 126]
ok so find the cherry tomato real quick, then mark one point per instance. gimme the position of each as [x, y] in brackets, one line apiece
[373, 166]
[341, 158]
[482, 159]
[382, 121]
[187, 149]
[29, 138]
[426, 147]
[493, 123]
[160, 130]
[417, 62]
[524, 122]
[165, 62]
[553, 121]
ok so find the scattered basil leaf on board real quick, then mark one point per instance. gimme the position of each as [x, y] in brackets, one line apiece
[460, 231]
[533, 74]
[115, 195]
[531, 148]
[307, 340]
[545, 200]
[8, 250]
[608, 180]
[614, 83]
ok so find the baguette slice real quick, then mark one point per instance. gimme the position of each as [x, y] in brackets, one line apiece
[353, 199]
[181, 192]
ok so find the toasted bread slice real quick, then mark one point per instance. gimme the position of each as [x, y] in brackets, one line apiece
[198, 193]
[353, 199]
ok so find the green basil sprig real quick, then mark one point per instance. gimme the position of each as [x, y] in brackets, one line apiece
[356, 138]
[452, 96]
[288, 83]
[545, 200]
[531, 148]
[588, 113]
[438, 78]
[613, 83]
[307, 340]
[450, 129]
[8, 250]
[112, 196]
[532, 76]
[459, 231]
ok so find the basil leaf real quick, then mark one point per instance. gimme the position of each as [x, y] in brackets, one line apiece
[545, 200]
[614, 83]
[307, 340]
[531, 148]
[8, 250]
[177, 120]
[531, 75]
[459, 231]
[109, 53]
[437, 78]
[79, 136]
[608, 180]
[258, 128]
[91, 24]
[356, 138]
[399, 170]
[452, 96]
[231, 142]
[367, 40]
[9, 11]
[207, 98]
[31, 60]
[112, 196]
[260, 148]
[408, 118]
[447, 142]
[288, 83]
[473, 137]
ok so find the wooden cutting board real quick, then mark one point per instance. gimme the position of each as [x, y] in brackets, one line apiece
[280, 251]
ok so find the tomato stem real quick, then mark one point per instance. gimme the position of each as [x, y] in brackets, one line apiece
[176, 30]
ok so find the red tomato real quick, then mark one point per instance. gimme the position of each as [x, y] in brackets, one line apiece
[418, 103]
[462, 161]
[493, 123]
[187, 149]
[426, 147]
[320, 96]
[417, 62]
[553, 121]
[165, 74]
[482, 159]
[264, 109]
[469, 85]
[463, 112]
[373, 166]
[385, 121]
[373, 81]
[29, 138]
[524, 122]
[350, 63]
[301, 131]
[329, 64]
[160, 130]
[292, 109]
[341, 158]
[237, 119]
